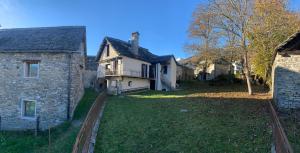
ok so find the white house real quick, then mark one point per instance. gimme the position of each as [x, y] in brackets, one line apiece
[125, 66]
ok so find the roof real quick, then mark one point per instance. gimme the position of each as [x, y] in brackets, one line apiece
[42, 39]
[124, 49]
[91, 63]
[292, 43]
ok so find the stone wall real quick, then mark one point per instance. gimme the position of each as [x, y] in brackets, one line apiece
[49, 90]
[90, 78]
[286, 81]
[77, 80]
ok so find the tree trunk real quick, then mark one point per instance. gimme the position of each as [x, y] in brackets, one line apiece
[267, 75]
[247, 73]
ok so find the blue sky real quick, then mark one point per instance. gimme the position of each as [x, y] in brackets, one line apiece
[162, 23]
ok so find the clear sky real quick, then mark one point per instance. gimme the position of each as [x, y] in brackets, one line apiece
[162, 24]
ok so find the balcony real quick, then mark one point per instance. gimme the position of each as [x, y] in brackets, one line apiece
[128, 73]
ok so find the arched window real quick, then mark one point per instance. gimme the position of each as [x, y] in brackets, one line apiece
[129, 83]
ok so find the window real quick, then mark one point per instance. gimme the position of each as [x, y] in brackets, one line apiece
[31, 69]
[165, 69]
[107, 66]
[28, 108]
[129, 83]
[144, 71]
[107, 50]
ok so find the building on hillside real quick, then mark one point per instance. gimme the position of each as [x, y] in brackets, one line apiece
[237, 67]
[125, 66]
[41, 77]
[286, 73]
[191, 64]
[216, 68]
[184, 73]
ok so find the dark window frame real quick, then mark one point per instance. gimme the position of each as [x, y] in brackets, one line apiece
[25, 109]
[107, 66]
[165, 69]
[107, 51]
[29, 66]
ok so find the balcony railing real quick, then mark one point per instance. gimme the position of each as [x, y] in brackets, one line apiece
[125, 73]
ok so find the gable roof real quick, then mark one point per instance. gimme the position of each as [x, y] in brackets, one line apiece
[42, 39]
[124, 49]
[292, 43]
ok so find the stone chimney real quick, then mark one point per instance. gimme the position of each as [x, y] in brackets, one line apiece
[135, 42]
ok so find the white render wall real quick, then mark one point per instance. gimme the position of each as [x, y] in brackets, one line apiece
[171, 73]
[122, 83]
[133, 66]
[112, 53]
[137, 83]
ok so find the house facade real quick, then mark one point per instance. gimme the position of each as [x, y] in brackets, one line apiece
[216, 68]
[125, 66]
[41, 77]
[286, 74]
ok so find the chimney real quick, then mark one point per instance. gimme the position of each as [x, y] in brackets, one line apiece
[135, 42]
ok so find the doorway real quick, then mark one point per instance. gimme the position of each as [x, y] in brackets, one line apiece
[152, 84]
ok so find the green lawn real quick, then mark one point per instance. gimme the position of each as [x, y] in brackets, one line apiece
[291, 124]
[200, 118]
[62, 137]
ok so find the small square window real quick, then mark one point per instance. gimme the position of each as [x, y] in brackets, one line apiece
[107, 66]
[31, 69]
[29, 107]
[129, 83]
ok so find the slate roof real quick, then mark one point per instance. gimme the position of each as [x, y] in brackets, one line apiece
[42, 39]
[91, 63]
[123, 48]
[292, 43]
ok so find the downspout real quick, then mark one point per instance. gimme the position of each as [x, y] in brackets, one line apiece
[69, 85]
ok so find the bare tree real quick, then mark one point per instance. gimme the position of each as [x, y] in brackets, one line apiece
[233, 17]
[203, 34]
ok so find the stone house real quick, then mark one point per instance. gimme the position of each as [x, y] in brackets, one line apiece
[191, 63]
[218, 67]
[41, 77]
[125, 66]
[286, 74]
[214, 68]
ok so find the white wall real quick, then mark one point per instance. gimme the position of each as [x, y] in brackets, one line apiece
[122, 83]
[112, 53]
[133, 66]
[136, 83]
[171, 73]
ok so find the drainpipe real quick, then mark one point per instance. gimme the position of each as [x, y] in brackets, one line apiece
[69, 85]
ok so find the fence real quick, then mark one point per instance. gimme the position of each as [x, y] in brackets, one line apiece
[83, 138]
[281, 142]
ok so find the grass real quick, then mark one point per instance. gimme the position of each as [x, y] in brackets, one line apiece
[62, 136]
[291, 124]
[198, 118]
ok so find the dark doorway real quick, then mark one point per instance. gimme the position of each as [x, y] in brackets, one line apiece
[152, 84]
